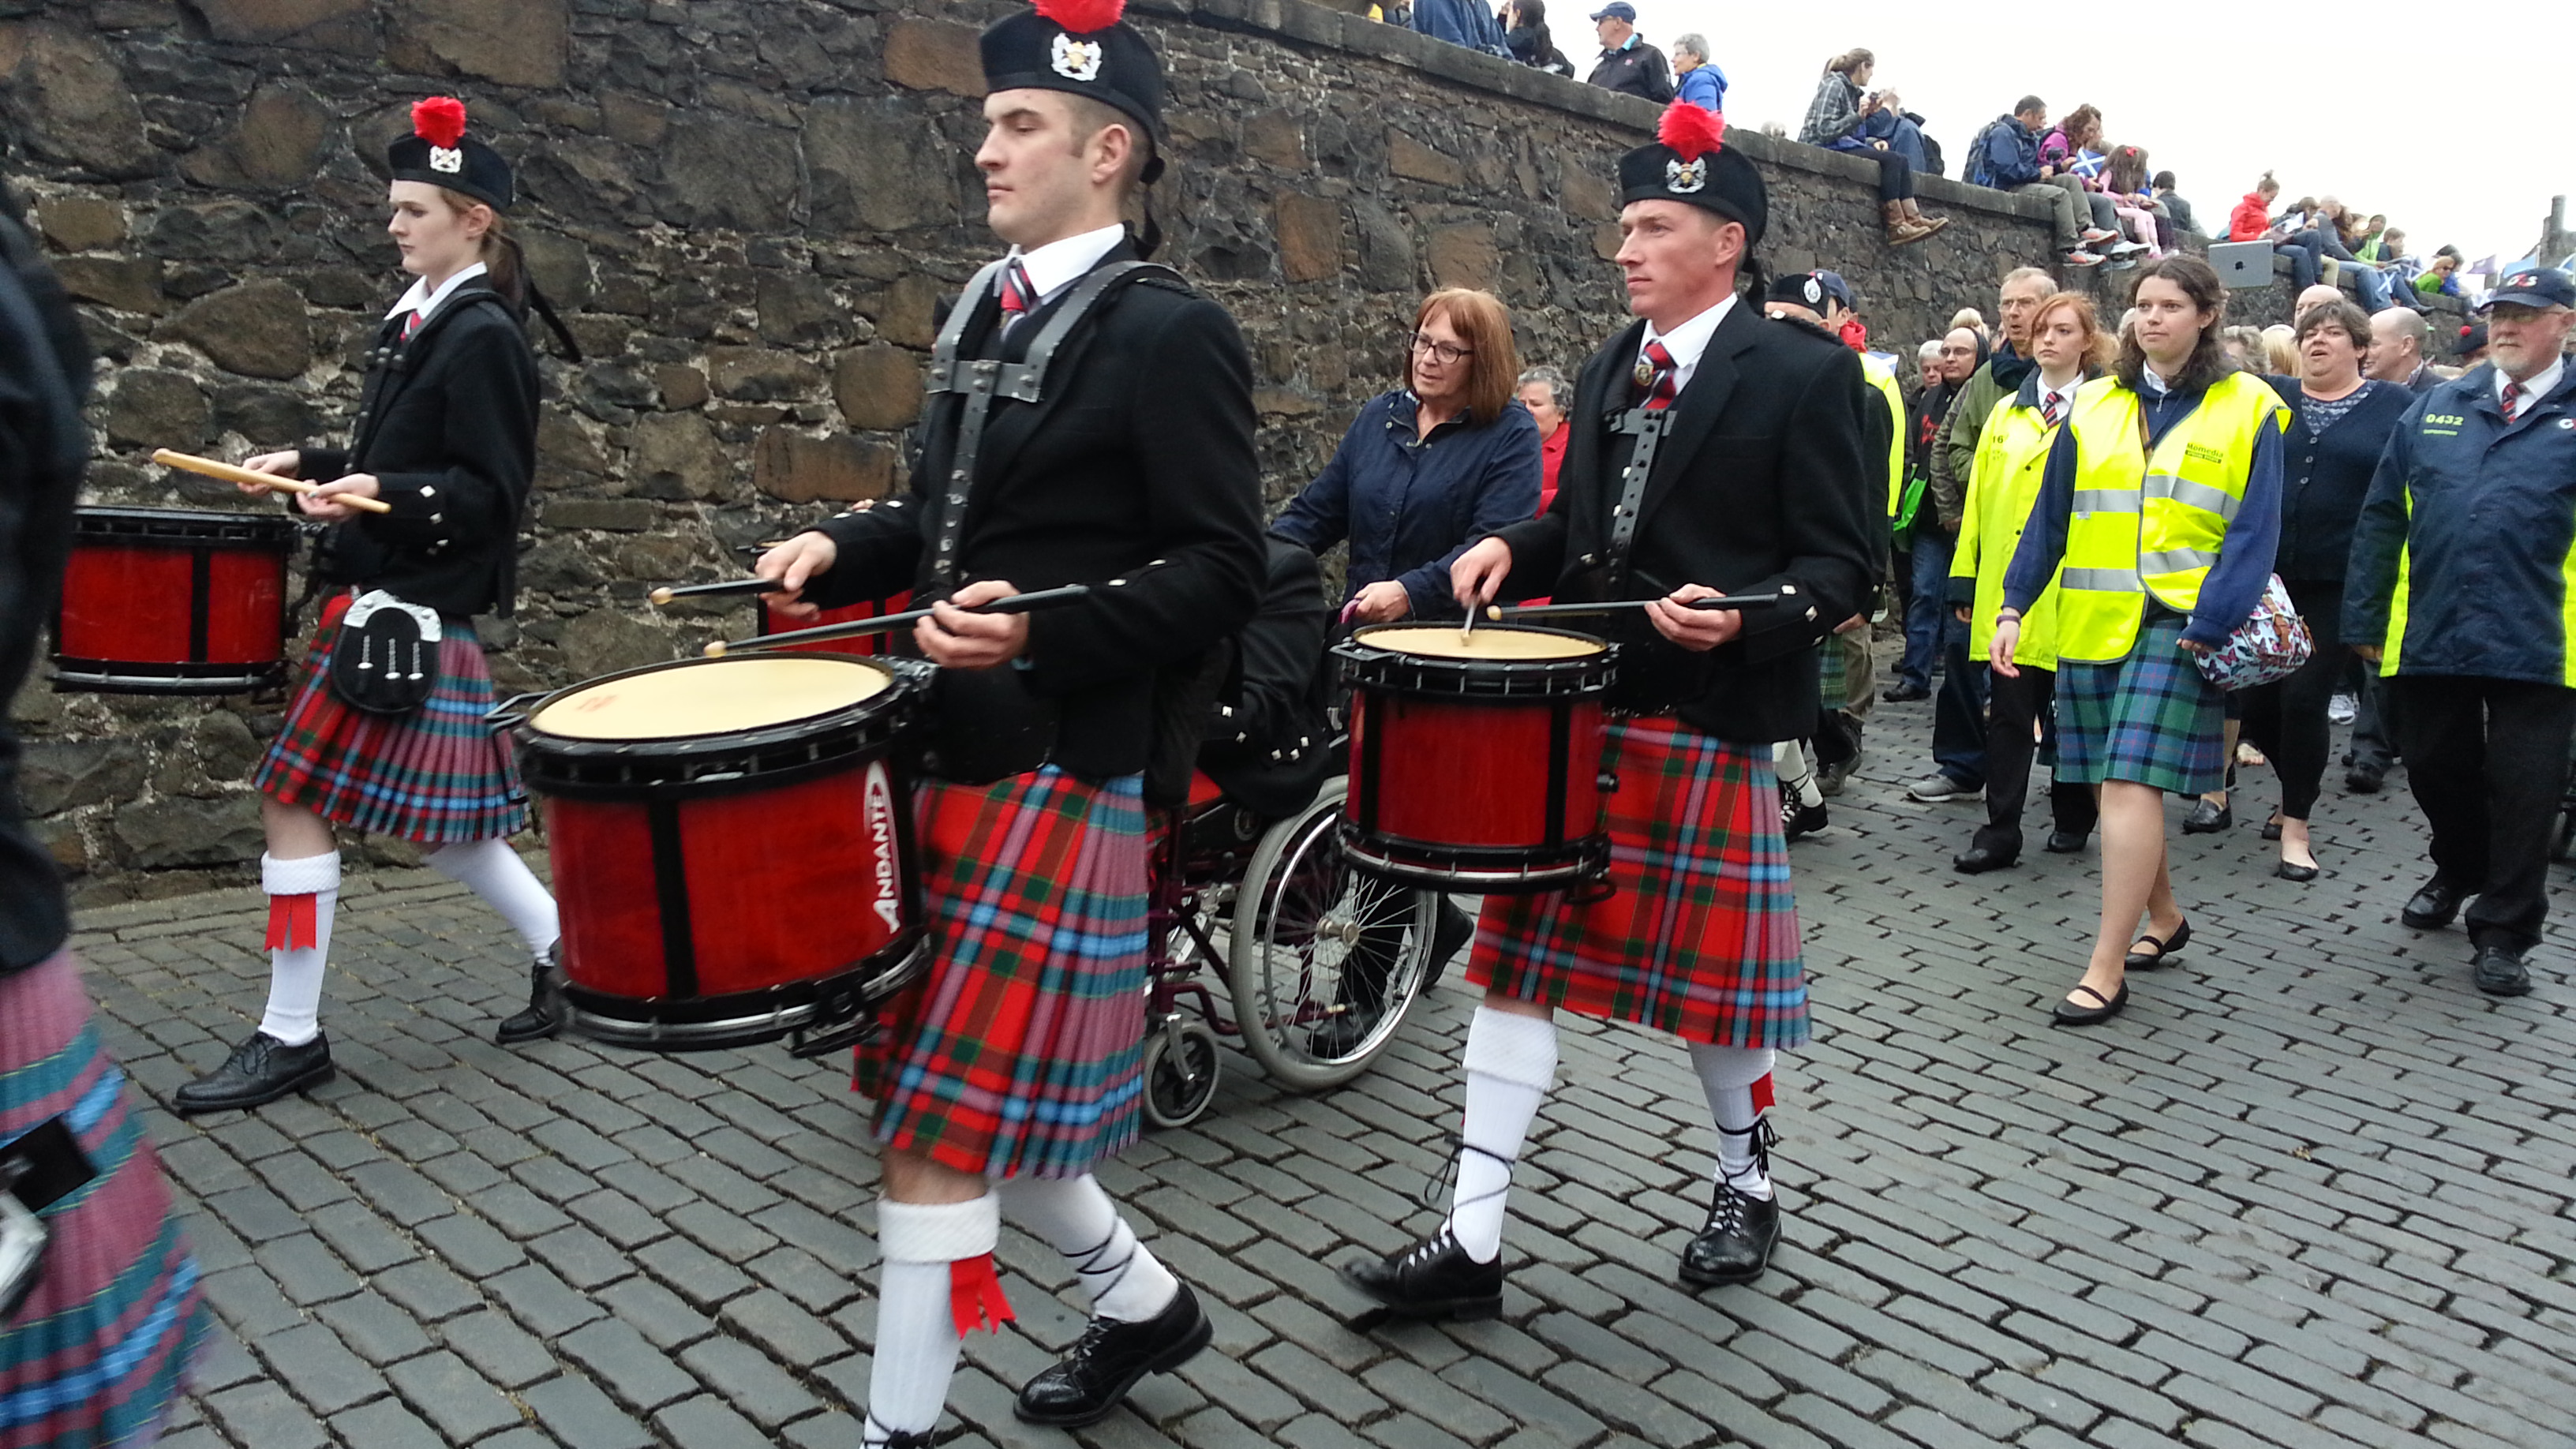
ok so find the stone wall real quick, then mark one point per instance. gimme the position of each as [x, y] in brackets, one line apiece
[747, 208]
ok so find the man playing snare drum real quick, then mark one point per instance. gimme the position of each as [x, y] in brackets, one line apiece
[1714, 451]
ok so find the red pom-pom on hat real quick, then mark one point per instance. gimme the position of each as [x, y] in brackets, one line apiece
[440, 120]
[1691, 131]
[1082, 17]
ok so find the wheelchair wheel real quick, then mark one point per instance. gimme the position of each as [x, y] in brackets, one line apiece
[1324, 962]
[1180, 1073]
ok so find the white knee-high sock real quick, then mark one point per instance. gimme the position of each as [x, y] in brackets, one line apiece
[1077, 1219]
[1731, 1076]
[1797, 776]
[294, 1013]
[917, 1338]
[492, 870]
[1511, 1065]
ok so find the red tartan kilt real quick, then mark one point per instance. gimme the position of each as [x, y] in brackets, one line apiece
[1698, 933]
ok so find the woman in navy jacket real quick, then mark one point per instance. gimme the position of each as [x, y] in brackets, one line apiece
[1426, 468]
[2339, 426]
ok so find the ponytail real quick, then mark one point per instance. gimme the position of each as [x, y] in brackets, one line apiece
[506, 263]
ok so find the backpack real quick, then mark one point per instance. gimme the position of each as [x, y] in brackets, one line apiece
[1978, 172]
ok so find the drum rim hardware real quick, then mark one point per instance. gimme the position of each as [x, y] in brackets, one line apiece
[200, 533]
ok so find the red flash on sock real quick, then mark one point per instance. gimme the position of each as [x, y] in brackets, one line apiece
[294, 922]
[1762, 1094]
[975, 1296]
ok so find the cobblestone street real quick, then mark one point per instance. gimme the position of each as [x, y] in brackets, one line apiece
[2313, 1189]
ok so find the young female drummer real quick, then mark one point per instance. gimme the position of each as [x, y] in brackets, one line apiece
[446, 439]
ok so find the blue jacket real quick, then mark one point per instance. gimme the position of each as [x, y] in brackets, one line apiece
[1705, 86]
[1409, 508]
[2468, 541]
[1460, 22]
[2011, 159]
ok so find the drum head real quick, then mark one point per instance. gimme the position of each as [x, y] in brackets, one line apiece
[1497, 642]
[711, 697]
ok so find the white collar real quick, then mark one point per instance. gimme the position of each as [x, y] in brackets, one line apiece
[1688, 341]
[424, 301]
[2541, 384]
[1051, 266]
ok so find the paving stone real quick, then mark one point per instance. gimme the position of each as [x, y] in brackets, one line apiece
[499, 1348]
[577, 1413]
[749, 1381]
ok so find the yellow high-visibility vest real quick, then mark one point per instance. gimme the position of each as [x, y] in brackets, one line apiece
[1883, 377]
[2012, 460]
[2150, 526]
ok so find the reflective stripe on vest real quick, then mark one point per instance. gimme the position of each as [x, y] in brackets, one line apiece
[2151, 525]
[1883, 377]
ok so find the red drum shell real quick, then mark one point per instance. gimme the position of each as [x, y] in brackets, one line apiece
[173, 601]
[725, 890]
[874, 644]
[1475, 774]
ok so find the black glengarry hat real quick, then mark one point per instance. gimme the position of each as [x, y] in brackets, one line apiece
[439, 153]
[1689, 162]
[1082, 48]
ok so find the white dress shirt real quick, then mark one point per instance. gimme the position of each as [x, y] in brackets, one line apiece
[424, 301]
[2533, 391]
[1688, 341]
[1051, 267]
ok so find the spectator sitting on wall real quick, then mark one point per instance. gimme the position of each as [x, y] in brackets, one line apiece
[2177, 209]
[2072, 155]
[2124, 180]
[2397, 339]
[1628, 64]
[1702, 83]
[1834, 121]
[2330, 232]
[2440, 279]
[1460, 22]
[2252, 218]
[2006, 157]
[1532, 43]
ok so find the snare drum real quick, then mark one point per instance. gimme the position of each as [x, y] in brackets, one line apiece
[1475, 758]
[173, 601]
[732, 846]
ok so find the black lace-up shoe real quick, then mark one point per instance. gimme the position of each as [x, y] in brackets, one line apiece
[544, 1014]
[1432, 1280]
[2500, 972]
[1736, 1245]
[2433, 907]
[1109, 1359]
[259, 1071]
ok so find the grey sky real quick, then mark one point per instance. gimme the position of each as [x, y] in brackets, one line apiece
[2389, 107]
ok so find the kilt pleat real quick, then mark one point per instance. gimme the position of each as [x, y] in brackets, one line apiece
[98, 1353]
[1020, 1052]
[1698, 934]
[436, 775]
[2150, 719]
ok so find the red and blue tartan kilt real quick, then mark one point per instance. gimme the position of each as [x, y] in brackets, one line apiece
[436, 775]
[1020, 1053]
[99, 1352]
[1698, 935]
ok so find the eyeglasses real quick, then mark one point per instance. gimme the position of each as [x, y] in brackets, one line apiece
[1444, 353]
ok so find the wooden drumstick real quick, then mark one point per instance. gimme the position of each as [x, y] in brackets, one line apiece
[668, 592]
[1613, 606]
[232, 473]
[859, 628]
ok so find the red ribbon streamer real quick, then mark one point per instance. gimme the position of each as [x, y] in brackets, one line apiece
[1762, 1094]
[975, 1296]
[293, 922]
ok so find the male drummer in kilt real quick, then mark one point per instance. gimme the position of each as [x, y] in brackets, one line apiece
[446, 437]
[1714, 451]
[1015, 1067]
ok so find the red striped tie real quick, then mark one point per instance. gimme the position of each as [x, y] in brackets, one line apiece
[411, 324]
[2512, 398]
[1017, 294]
[1654, 378]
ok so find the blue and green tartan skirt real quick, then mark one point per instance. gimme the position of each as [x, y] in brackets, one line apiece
[2149, 719]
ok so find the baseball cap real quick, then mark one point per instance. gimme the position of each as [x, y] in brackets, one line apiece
[2534, 287]
[1619, 8]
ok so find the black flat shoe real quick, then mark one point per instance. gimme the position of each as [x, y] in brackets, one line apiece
[2208, 819]
[2165, 950]
[2064, 842]
[1432, 1281]
[2286, 871]
[1109, 1359]
[1797, 820]
[259, 1071]
[2500, 972]
[1736, 1244]
[2363, 780]
[2272, 828]
[2433, 907]
[1906, 694]
[543, 1016]
[2070, 1014]
[1977, 860]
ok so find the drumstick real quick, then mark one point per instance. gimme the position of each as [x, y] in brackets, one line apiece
[857, 628]
[191, 463]
[668, 592]
[1613, 606]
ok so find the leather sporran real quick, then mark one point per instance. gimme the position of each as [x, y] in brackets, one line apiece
[385, 661]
